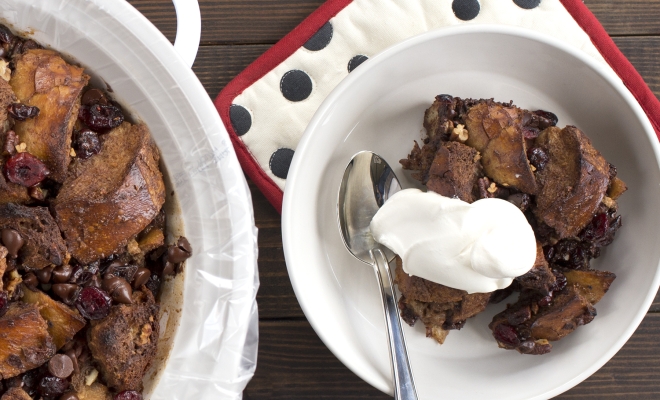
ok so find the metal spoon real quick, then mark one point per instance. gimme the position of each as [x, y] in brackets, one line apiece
[368, 182]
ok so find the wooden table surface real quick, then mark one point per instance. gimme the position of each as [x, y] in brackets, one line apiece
[293, 363]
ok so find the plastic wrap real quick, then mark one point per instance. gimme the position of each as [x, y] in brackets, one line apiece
[210, 321]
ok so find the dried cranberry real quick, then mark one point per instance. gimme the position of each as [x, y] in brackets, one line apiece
[87, 144]
[545, 300]
[572, 254]
[596, 229]
[546, 118]
[4, 303]
[51, 386]
[538, 158]
[612, 171]
[21, 112]
[25, 169]
[101, 117]
[6, 36]
[93, 303]
[560, 281]
[128, 395]
[530, 132]
[506, 335]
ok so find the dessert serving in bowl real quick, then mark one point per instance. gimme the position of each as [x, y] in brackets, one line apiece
[172, 154]
[380, 107]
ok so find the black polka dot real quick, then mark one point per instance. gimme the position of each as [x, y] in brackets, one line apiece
[280, 162]
[356, 61]
[296, 85]
[527, 4]
[466, 9]
[240, 118]
[321, 38]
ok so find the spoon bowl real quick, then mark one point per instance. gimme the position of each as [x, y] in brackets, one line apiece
[368, 181]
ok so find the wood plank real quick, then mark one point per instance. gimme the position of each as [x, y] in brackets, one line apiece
[295, 364]
[627, 17]
[234, 21]
[267, 21]
[215, 66]
[644, 54]
[161, 13]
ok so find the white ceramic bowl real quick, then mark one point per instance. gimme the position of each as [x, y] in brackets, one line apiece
[380, 107]
[211, 326]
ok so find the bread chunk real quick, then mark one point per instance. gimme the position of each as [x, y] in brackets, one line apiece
[11, 192]
[7, 97]
[124, 343]
[43, 243]
[573, 183]
[454, 172]
[24, 340]
[63, 321]
[529, 328]
[439, 307]
[591, 284]
[15, 393]
[540, 277]
[497, 132]
[43, 79]
[95, 391]
[111, 197]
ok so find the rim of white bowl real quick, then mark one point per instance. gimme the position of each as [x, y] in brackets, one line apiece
[288, 207]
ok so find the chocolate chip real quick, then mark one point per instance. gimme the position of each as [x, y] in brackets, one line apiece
[44, 274]
[118, 288]
[69, 396]
[30, 280]
[13, 241]
[141, 277]
[180, 252]
[74, 359]
[94, 96]
[168, 268]
[62, 273]
[66, 291]
[61, 366]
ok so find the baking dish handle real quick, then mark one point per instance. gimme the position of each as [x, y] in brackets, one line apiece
[188, 29]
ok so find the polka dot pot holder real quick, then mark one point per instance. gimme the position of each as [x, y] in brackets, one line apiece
[267, 107]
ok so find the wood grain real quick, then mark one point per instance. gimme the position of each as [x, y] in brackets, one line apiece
[267, 21]
[295, 364]
[644, 54]
[627, 17]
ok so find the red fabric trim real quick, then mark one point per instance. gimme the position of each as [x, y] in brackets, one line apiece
[619, 63]
[255, 71]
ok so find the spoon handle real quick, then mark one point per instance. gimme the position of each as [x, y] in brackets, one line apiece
[404, 386]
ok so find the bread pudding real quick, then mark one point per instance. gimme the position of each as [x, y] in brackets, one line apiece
[83, 234]
[476, 149]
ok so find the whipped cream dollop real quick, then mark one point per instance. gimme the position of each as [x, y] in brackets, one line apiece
[478, 247]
